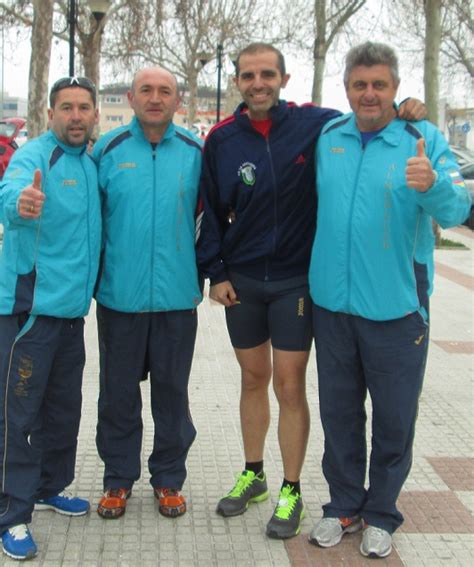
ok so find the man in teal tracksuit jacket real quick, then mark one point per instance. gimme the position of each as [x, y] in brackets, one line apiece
[48, 268]
[147, 293]
[380, 181]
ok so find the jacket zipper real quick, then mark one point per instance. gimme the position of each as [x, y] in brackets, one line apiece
[349, 232]
[152, 259]
[88, 233]
[275, 207]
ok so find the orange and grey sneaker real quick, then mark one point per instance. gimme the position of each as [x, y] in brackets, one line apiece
[113, 503]
[171, 503]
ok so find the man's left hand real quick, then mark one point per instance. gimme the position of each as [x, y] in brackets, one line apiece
[412, 109]
[419, 173]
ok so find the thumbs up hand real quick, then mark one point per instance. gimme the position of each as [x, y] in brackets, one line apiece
[419, 173]
[30, 202]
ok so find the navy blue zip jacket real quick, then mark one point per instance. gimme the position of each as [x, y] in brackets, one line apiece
[259, 194]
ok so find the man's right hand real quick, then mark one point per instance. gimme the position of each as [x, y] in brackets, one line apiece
[30, 201]
[223, 293]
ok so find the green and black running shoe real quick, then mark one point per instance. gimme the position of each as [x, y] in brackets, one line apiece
[248, 488]
[286, 519]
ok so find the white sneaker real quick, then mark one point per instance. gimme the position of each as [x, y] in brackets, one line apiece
[376, 542]
[329, 531]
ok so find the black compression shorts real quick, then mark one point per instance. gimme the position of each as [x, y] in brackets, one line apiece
[278, 310]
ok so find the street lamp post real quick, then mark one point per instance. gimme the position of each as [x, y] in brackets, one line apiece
[219, 76]
[98, 8]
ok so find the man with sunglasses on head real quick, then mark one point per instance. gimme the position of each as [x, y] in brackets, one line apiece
[50, 208]
[147, 294]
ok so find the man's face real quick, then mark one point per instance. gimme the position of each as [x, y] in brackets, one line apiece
[260, 82]
[73, 116]
[371, 92]
[154, 98]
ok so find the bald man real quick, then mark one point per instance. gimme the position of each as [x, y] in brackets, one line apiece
[147, 293]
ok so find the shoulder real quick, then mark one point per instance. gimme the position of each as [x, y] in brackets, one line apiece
[309, 111]
[336, 123]
[188, 137]
[110, 140]
[223, 129]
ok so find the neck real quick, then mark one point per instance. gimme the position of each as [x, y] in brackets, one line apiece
[154, 134]
[371, 126]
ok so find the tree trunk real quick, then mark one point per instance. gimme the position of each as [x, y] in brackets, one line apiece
[90, 45]
[41, 36]
[432, 48]
[319, 50]
[431, 71]
[192, 101]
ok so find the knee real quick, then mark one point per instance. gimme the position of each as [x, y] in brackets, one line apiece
[290, 393]
[253, 380]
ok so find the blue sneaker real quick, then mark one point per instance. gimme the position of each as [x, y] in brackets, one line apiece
[18, 543]
[64, 503]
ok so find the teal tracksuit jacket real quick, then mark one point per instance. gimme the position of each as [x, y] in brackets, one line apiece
[49, 265]
[149, 199]
[373, 251]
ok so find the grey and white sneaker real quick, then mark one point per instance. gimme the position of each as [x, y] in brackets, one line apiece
[376, 542]
[248, 488]
[329, 531]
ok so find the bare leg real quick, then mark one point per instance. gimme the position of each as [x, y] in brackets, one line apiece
[256, 367]
[289, 382]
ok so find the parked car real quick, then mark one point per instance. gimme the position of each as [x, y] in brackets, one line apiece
[462, 155]
[22, 137]
[9, 130]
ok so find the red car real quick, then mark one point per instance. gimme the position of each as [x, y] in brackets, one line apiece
[9, 130]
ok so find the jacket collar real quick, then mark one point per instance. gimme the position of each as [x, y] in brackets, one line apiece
[72, 150]
[137, 130]
[391, 134]
[277, 113]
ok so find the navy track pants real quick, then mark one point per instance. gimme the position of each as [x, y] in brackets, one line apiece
[130, 346]
[41, 368]
[386, 359]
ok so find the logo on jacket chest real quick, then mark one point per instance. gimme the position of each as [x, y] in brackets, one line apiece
[247, 173]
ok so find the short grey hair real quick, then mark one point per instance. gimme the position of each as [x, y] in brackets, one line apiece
[369, 54]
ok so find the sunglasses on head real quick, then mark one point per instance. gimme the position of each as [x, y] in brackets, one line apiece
[67, 82]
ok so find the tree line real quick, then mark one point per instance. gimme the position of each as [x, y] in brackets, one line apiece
[182, 36]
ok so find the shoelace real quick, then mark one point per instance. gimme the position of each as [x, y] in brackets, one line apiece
[243, 482]
[66, 495]
[168, 491]
[287, 503]
[377, 532]
[117, 492]
[19, 532]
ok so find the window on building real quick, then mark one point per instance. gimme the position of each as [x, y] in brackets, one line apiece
[114, 118]
[113, 99]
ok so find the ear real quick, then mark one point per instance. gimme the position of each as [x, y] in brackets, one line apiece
[285, 80]
[96, 121]
[130, 98]
[50, 113]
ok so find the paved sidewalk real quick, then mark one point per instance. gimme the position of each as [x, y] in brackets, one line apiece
[437, 500]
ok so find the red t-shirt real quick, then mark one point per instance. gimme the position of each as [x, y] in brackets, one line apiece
[262, 126]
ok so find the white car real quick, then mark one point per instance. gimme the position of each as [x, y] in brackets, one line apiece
[22, 137]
